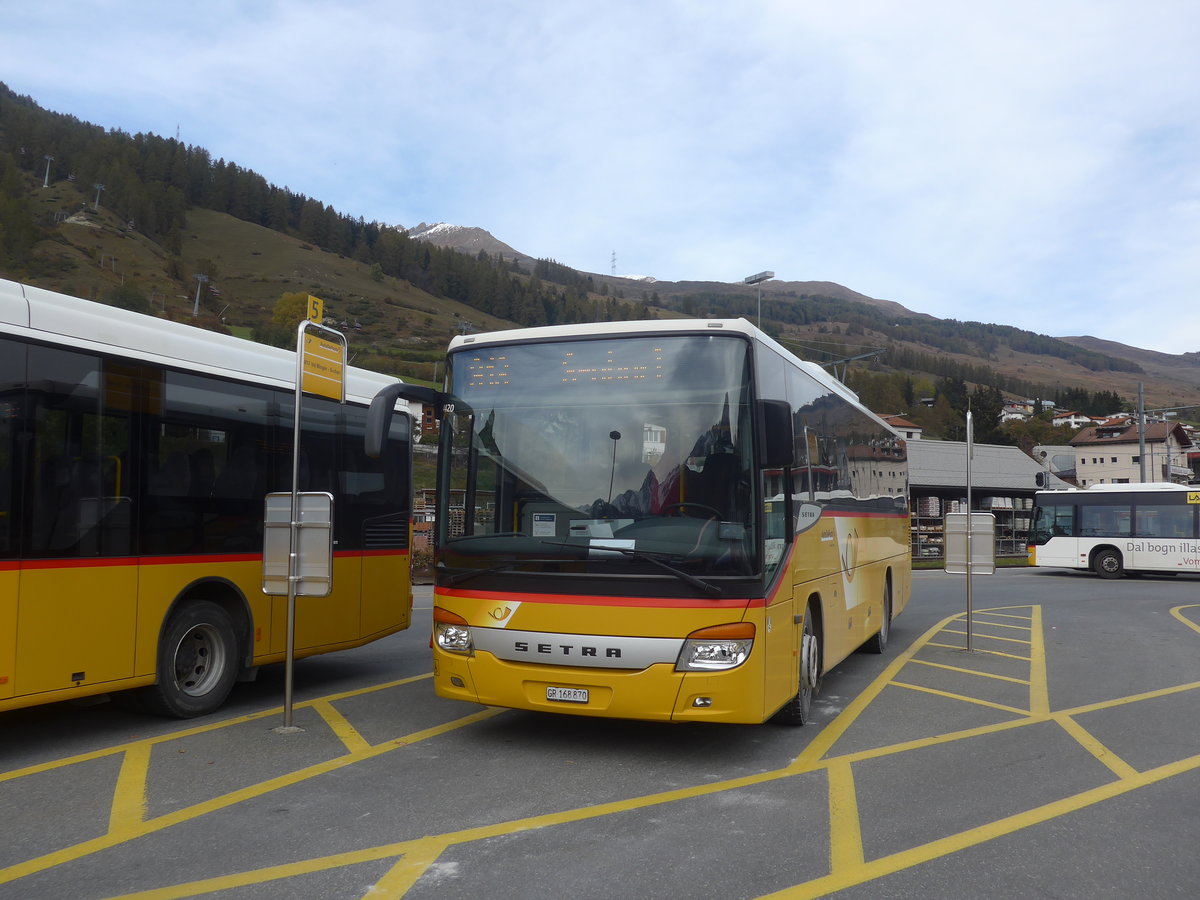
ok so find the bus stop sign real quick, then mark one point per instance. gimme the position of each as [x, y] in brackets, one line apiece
[982, 559]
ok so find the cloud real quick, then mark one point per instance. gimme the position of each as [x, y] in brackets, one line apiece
[1018, 162]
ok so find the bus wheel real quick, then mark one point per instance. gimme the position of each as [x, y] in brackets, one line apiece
[197, 662]
[1108, 563]
[798, 710]
[877, 643]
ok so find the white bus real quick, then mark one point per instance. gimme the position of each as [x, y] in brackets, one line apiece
[1117, 528]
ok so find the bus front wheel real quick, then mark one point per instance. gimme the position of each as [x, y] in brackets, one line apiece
[197, 662]
[798, 710]
[1108, 563]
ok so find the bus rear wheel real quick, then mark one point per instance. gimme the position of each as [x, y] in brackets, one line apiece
[1108, 563]
[197, 662]
[798, 710]
[877, 643]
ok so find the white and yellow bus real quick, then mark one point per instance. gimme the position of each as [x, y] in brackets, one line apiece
[1115, 529]
[135, 454]
[665, 520]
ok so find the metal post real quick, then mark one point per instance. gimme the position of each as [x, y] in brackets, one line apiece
[294, 537]
[200, 280]
[1142, 431]
[970, 529]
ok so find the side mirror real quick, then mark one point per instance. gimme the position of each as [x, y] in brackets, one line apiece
[775, 434]
[379, 415]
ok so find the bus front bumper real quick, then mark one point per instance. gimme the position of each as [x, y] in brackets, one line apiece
[656, 693]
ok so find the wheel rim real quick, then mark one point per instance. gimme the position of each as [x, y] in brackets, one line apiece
[1109, 563]
[199, 660]
[808, 662]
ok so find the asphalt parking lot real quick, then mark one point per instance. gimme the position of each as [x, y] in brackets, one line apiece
[1059, 757]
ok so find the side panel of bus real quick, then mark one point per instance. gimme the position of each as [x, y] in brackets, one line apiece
[9, 579]
[65, 613]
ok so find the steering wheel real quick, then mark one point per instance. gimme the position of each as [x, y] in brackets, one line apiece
[712, 512]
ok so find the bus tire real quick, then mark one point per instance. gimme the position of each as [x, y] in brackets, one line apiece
[798, 710]
[1107, 563]
[877, 643]
[197, 662]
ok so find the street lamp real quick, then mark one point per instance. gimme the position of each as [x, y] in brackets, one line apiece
[758, 280]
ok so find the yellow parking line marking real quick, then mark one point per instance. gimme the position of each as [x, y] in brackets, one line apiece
[933, 665]
[978, 650]
[85, 848]
[905, 859]
[848, 865]
[128, 809]
[831, 733]
[951, 696]
[408, 871]
[262, 876]
[1177, 612]
[1119, 767]
[1132, 698]
[845, 830]
[1039, 682]
[198, 729]
[979, 621]
[1000, 615]
[990, 637]
[340, 726]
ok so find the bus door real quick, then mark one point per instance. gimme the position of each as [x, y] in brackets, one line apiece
[781, 637]
[78, 581]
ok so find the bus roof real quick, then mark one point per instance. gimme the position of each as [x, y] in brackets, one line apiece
[66, 320]
[1131, 488]
[653, 326]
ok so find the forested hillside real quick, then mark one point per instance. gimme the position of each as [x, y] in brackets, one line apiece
[154, 224]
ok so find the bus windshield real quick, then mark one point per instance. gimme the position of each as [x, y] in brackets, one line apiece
[629, 455]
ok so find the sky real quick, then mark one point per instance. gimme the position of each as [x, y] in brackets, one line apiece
[1034, 164]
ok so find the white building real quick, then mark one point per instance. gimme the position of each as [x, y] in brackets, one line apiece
[1111, 454]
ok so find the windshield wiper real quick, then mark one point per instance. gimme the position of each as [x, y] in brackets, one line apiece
[699, 583]
[459, 577]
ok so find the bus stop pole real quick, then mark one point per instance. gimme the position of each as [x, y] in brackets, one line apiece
[293, 539]
[970, 528]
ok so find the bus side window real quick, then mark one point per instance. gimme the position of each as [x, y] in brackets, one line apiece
[77, 458]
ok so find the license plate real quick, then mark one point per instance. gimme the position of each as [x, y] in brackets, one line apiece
[567, 695]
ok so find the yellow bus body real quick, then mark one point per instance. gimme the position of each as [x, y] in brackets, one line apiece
[850, 602]
[74, 620]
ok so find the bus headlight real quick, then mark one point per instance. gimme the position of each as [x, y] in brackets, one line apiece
[717, 648]
[451, 632]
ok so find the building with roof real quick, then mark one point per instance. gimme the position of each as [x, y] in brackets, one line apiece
[1112, 453]
[910, 431]
[1071, 420]
[1003, 482]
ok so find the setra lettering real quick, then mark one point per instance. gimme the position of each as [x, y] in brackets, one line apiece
[567, 651]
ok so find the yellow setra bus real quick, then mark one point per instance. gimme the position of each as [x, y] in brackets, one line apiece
[135, 454]
[663, 520]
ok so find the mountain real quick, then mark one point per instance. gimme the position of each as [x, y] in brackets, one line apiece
[840, 323]
[168, 213]
[466, 239]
